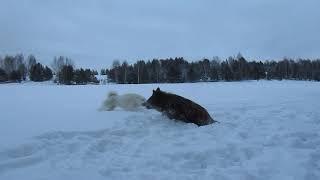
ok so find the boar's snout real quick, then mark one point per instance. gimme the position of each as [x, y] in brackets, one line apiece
[147, 105]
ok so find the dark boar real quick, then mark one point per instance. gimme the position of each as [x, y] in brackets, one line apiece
[179, 108]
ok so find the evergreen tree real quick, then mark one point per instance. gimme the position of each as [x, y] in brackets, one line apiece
[66, 75]
[103, 72]
[193, 73]
[39, 73]
[3, 75]
[173, 75]
[47, 73]
[36, 72]
[15, 76]
[227, 74]
[215, 69]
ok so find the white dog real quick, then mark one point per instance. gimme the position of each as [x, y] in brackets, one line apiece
[130, 102]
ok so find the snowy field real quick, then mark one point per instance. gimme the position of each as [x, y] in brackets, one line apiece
[268, 130]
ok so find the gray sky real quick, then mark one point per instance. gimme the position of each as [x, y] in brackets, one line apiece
[93, 33]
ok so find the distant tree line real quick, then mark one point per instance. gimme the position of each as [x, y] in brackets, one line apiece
[178, 70]
[67, 74]
[171, 70]
[17, 69]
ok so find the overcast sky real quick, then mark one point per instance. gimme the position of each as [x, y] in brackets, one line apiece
[94, 33]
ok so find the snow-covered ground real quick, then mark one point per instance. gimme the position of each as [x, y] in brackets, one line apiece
[267, 130]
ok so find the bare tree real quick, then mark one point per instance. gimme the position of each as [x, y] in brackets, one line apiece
[59, 62]
[1, 62]
[9, 64]
[20, 65]
[115, 66]
[31, 61]
[125, 67]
